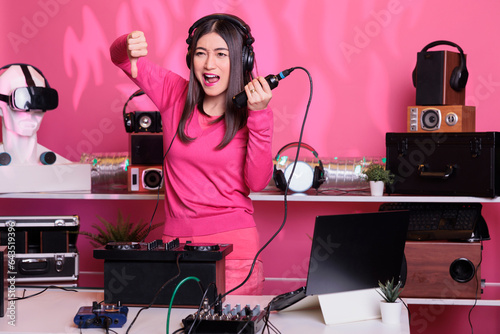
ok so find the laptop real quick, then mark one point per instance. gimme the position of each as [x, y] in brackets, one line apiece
[351, 253]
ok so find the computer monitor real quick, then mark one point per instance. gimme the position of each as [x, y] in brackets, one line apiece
[356, 251]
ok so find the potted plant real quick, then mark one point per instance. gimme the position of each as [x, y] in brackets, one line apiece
[390, 307]
[121, 230]
[378, 177]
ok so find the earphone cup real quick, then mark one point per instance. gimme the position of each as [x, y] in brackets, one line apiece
[319, 177]
[279, 179]
[458, 79]
[414, 77]
[248, 59]
[129, 121]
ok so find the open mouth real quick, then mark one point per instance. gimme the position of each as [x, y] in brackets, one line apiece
[211, 79]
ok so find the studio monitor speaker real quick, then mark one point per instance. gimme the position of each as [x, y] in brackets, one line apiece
[432, 78]
[146, 149]
[443, 269]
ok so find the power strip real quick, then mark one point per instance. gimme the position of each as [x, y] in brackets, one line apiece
[229, 320]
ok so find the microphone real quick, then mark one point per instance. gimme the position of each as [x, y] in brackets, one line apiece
[241, 98]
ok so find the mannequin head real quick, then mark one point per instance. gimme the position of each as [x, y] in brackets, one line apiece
[19, 122]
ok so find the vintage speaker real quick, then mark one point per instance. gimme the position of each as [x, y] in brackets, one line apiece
[456, 118]
[432, 77]
[443, 269]
[145, 178]
[146, 149]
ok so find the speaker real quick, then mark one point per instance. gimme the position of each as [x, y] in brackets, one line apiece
[443, 269]
[146, 149]
[304, 176]
[440, 77]
[456, 118]
[141, 121]
[145, 178]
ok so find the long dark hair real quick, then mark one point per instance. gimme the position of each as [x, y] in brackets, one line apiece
[234, 118]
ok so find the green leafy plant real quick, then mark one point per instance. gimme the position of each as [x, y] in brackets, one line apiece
[121, 230]
[389, 292]
[377, 172]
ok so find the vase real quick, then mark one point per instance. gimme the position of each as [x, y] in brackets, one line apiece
[391, 312]
[377, 188]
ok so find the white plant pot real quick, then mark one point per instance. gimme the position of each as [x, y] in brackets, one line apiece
[391, 312]
[377, 188]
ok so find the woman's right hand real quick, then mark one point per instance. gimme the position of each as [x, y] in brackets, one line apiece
[136, 47]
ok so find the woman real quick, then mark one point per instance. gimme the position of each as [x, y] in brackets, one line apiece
[216, 153]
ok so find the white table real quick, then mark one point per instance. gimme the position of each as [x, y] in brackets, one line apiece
[53, 312]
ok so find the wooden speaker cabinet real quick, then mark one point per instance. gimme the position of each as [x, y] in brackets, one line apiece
[443, 269]
[433, 73]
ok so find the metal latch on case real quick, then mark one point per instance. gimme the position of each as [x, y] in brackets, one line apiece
[59, 262]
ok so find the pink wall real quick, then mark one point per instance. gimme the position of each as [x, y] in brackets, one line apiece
[359, 53]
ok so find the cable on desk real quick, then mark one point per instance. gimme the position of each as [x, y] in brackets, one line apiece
[201, 306]
[173, 295]
[40, 292]
[158, 292]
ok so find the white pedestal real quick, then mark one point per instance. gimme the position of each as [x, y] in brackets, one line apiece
[45, 178]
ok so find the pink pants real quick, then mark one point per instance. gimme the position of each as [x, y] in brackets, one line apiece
[239, 261]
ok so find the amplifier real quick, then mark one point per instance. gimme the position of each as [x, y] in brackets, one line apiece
[443, 269]
[440, 163]
[136, 274]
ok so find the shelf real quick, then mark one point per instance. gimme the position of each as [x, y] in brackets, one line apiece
[265, 196]
[489, 297]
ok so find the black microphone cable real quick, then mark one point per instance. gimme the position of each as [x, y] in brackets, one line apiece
[285, 200]
[162, 181]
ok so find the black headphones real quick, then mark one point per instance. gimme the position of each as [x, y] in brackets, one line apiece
[141, 121]
[460, 74]
[280, 177]
[247, 52]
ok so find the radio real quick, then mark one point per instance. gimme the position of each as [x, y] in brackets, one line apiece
[454, 118]
[145, 178]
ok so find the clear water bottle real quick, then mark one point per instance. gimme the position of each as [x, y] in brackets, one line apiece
[345, 174]
[108, 170]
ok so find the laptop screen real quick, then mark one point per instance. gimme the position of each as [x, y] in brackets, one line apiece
[355, 251]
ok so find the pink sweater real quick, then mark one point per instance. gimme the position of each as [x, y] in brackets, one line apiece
[206, 190]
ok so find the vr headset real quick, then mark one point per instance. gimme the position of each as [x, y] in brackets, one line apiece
[31, 97]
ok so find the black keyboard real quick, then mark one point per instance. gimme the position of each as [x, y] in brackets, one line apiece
[439, 221]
